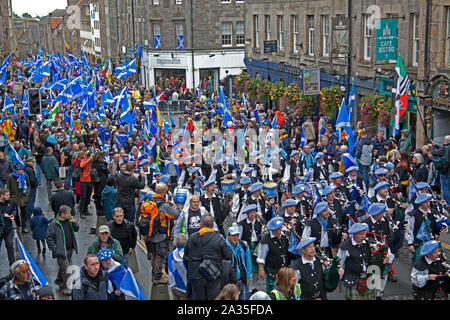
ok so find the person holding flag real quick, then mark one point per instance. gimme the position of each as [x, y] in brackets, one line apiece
[21, 278]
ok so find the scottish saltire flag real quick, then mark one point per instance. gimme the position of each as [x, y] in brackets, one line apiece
[84, 110]
[303, 138]
[316, 196]
[2, 76]
[106, 98]
[125, 281]
[348, 160]
[34, 270]
[293, 243]
[256, 114]
[172, 122]
[5, 62]
[275, 121]
[351, 101]
[423, 234]
[126, 70]
[227, 117]
[8, 104]
[149, 104]
[14, 153]
[101, 113]
[343, 127]
[180, 42]
[365, 203]
[223, 103]
[25, 107]
[41, 72]
[120, 99]
[157, 42]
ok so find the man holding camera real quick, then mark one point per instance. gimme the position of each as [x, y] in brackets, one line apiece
[128, 185]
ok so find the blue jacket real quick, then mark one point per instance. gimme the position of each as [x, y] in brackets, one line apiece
[39, 226]
[245, 259]
[108, 201]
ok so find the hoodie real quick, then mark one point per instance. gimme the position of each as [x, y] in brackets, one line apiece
[39, 226]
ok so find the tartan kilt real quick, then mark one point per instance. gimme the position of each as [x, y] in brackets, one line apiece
[353, 294]
[255, 266]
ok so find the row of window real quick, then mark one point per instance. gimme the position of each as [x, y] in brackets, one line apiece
[262, 30]
[156, 2]
[226, 34]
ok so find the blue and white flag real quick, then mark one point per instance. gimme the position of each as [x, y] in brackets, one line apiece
[8, 104]
[351, 101]
[256, 114]
[84, 110]
[199, 91]
[41, 72]
[34, 270]
[180, 42]
[106, 98]
[101, 113]
[126, 69]
[125, 281]
[423, 234]
[365, 203]
[275, 121]
[293, 244]
[348, 160]
[223, 103]
[120, 99]
[343, 127]
[172, 122]
[25, 107]
[412, 190]
[303, 138]
[157, 42]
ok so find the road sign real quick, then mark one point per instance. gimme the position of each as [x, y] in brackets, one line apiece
[60, 136]
[387, 38]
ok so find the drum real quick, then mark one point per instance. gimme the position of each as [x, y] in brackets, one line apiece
[227, 186]
[181, 195]
[270, 189]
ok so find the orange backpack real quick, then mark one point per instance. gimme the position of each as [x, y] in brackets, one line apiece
[152, 221]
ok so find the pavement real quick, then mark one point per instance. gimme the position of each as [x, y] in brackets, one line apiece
[141, 267]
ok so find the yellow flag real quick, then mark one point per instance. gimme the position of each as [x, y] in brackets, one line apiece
[8, 129]
[63, 158]
[159, 121]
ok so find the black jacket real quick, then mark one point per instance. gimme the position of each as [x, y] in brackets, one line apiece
[63, 197]
[6, 168]
[29, 170]
[125, 233]
[7, 208]
[127, 186]
[214, 248]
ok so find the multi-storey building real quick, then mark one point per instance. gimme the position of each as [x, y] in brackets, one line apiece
[303, 33]
[198, 41]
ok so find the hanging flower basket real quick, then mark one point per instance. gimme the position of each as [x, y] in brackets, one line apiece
[331, 99]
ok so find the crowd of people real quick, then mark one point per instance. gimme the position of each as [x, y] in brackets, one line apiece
[222, 205]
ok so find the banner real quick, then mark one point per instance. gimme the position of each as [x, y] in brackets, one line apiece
[311, 80]
[340, 27]
[386, 39]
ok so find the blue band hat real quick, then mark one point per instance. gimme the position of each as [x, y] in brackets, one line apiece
[358, 227]
[429, 247]
[336, 175]
[250, 208]
[19, 166]
[319, 155]
[275, 223]
[352, 168]
[422, 185]
[289, 203]
[321, 206]
[328, 190]
[194, 170]
[256, 186]
[389, 166]
[294, 153]
[381, 172]
[247, 170]
[298, 189]
[104, 254]
[305, 242]
[377, 208]
[245, 180]
[423, 197]
[209, 182]
[381, 185]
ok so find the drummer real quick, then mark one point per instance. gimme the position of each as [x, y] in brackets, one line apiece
[295, 171]
[249, 172]
[222, 171]
[257, 198]
[303, 207]
[213, 204]
[240, 197]
[251, 229]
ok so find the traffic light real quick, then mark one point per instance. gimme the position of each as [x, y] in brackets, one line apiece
[43, 97]
[34, 102]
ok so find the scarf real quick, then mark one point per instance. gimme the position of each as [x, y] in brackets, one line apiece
[324, 222]
[205, 230]
[21, 181]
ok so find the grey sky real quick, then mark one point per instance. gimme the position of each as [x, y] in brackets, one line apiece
[37, 7]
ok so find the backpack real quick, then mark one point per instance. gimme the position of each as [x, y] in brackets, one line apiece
[95, 178]
[76, 172]
[441, 163]
[151, 220]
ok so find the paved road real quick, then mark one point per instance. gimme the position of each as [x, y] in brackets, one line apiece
[142, 269]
